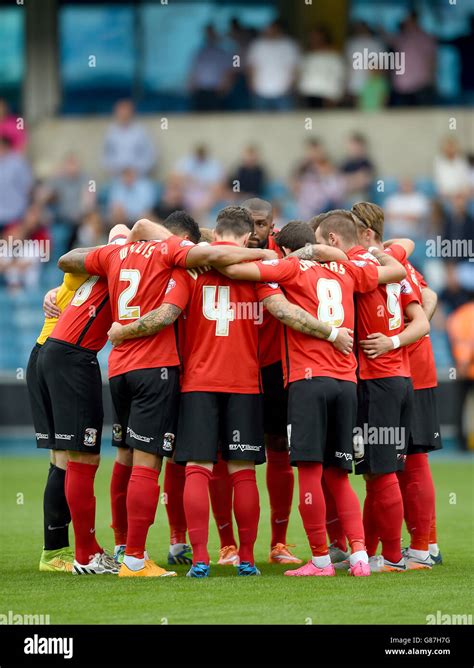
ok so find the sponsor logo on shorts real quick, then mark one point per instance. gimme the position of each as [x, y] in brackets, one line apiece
[271, 263]
[344, 455]
[41, 436]
[168, 442]
[138, 437]
[243, 447]
[116, 432]
[274, 286]
[90, 436]
[64, 437]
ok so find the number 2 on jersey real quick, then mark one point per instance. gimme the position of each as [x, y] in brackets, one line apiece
[125, 310]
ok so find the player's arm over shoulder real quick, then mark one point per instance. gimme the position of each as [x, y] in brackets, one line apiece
[74, 262]
[222, 256]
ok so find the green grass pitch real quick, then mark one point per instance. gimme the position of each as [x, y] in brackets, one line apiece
[224, 598]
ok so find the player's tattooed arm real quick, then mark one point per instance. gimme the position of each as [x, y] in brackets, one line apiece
[391, 270]
[74, 262]
[319, 253]
[149, 324]
[429, 302]
[418, 325]
[407, 244]
[297, 318]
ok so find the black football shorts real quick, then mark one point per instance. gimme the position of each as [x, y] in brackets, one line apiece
[275, 400]
[321, 418]
[70, 381]
[209, 421]
[145, 406]
[384, 418]
[425, 430]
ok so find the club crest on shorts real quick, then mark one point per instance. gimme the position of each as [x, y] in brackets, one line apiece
[168, 442]
[116, 432]
[90, 436]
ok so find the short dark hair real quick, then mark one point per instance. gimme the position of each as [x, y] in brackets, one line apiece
[180, 222]
[257, 205]
[294, 235]
[316, 221]
[234, 219]
[340, 222]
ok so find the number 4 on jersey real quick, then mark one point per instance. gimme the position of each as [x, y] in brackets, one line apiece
[219, 311]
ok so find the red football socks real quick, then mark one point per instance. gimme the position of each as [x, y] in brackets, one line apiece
[347, 506]
[418, 499]
[196, 507]
[370, 523]
[280, 484]
[312, 506]
[433, 536]
[175, 476]
[334, 529]
[79, 489]
[387, 510]
[246, 511]
[142, 499]
[220, 488]
[118, 501]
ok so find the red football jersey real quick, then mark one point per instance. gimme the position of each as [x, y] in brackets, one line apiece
[382, 311]
[326, 291]
[269, 344]
[87, 318]
[137, 276]
[420, 353]
[222, 319]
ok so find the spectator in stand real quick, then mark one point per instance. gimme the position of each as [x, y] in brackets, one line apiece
[458, 221]
[460, 326]
[70, 194]
[16, 181]
[451, 169]
[131, 197]
[171, 199]
[358, 169]
[316, 184]
[211, 75]
[375, 92]
[323, 71]
[13, 127]
[202, 179]
[416, 84]
[127, 144]
[91, 231]
[240, 38]
[272, 61]
[361, 38]
[23, 272]
[407, 212]
[249, 178]
[465, 47]
[237, 42]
